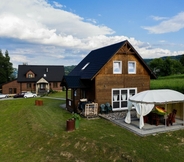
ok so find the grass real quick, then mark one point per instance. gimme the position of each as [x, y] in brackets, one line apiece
[174, 82]
[38, 133]
[59, 94]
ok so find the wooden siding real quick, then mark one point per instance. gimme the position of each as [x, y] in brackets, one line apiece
[105, 83]
[106, 80]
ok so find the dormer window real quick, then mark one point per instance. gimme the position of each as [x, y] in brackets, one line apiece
[117, 67]
[85, 66]
[30, 75]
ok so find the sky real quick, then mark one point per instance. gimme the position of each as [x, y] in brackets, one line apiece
[63, 32]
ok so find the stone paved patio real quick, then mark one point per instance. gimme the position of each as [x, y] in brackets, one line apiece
[148, 129]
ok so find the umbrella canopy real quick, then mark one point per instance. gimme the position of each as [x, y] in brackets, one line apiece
[158, 96]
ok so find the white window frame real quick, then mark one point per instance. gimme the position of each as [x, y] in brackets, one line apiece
[117, 67]
[118, 100]
[131, 69]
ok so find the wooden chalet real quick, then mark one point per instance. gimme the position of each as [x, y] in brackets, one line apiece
[109, 74]
[36, 78]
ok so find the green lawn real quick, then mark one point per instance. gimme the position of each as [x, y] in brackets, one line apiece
[59, 94]
[174, 82]
[38, 134]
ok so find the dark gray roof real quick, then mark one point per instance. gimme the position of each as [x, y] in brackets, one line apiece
[53, 73]
[96, 59]
[73, 82]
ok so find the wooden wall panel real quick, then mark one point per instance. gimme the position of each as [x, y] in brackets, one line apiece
[105, 83]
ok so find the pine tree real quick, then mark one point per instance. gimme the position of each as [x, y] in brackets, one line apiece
[6, 68]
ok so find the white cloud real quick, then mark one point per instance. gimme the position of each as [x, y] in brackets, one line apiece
[173, 24]
[58, 5]
[158, 18]
[36, 20]
[38, 33]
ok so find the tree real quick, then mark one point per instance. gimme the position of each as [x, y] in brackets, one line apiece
[178, 68]
[182, 59]
[167, 66]
[156, 66]
[6, 68]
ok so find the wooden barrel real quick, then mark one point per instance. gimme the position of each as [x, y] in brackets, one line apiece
[70, 125]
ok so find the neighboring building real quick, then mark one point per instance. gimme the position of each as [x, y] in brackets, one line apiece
[35, 78]
[110, 74]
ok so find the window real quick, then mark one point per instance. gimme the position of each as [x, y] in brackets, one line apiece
[85, 66]
[42, 86]
[131, 67]
[120, 97]
[55, 85]
[10, 90]
[30, 75]
[28, 85]
[14, 90]
[117, 67]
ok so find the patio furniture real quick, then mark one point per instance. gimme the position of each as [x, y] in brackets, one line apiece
[171, 117]
[146, 119]
[108, 107]
[103, 109]
[156, 118]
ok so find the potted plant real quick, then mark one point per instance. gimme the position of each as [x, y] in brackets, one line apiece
[70, 124]
[77, 118]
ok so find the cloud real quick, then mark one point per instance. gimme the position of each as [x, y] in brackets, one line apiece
[36, 20]
[173, 24]
[58, 5]
[37, 32]
[158, 18]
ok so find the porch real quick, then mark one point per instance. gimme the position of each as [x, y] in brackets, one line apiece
[148, 129]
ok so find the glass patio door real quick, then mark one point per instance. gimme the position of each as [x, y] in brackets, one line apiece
[120, 97]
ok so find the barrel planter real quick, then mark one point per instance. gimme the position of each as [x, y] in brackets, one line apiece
[39, 102]
[36, 102]
[70, 125]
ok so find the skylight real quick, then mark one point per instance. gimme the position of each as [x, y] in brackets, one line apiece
[85, 66]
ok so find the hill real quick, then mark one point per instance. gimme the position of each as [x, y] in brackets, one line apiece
[177, 57]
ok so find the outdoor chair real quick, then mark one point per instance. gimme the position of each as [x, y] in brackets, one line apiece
[108, 107]
[155, 119]
[103, 108]
[171, 117]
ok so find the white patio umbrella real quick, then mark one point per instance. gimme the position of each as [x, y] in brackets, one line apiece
[157, 96]
[145, 101]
